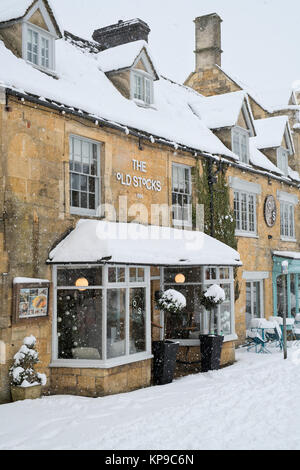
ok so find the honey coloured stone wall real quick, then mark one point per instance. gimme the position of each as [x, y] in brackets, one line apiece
[189, 358]
[100, 382]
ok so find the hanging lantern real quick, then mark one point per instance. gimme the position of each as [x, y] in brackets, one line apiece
[81, 283]
[180, 278]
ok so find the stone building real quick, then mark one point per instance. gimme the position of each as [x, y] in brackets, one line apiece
[104, 162]
[268, 235]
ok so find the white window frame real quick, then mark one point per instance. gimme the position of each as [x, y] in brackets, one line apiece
[41, 34]
[260, 281]
[51, 35]
[288, 202]
[287, 208]
[282, 160]
[205, 283]
[113, 362]
[80, 210]
[239, 231]
[178, 222]
[144, 77]
[240, 132]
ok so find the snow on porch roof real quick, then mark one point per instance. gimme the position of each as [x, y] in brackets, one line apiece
[99, 241]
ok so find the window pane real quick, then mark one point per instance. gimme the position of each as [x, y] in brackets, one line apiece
[225, 313]
[244, 211]
[116, 274]
[190, 275]
[79, 324]
[237, 210]
[137, 315]
[75, 199]
[75, 181]
[147, 91]
[45, 52]
[68, 277]
[83, 200]
[116, 314]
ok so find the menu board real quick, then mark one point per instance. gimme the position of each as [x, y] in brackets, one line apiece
[31, 301]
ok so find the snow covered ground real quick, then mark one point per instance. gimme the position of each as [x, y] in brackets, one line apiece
[255, 404]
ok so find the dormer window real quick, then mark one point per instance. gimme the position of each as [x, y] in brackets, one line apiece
[142, 87]
[39, 48]
[240, 143]
[282, 160]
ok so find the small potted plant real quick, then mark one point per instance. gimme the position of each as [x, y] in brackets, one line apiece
[211, 344]
[25, 382]
[171, 302]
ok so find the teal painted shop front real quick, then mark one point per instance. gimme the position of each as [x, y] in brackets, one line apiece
[286, 288]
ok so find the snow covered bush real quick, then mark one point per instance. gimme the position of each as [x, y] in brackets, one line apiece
[214, 296]
[172, 303]
[22, 373]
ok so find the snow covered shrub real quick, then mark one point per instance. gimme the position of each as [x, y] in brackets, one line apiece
[214, 296]
[172, 303]
[22, 373]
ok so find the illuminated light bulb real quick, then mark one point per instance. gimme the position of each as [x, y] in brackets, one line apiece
[179, 278]
[81, 283]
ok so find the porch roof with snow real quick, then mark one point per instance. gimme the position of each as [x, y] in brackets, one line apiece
[94, 241]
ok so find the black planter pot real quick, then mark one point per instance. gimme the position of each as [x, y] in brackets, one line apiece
[210, 348]
[164, 361]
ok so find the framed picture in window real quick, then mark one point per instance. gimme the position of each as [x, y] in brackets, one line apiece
[30, 300]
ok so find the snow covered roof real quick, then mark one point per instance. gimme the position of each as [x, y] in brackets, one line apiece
[270, 131]
[220, 110]
[258, 159]
[82, 85]
[287, 254]
[95, 241]
[123, 56]
[14, 9]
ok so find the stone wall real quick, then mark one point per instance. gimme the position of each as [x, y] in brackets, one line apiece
[100, 382]
[190, 358]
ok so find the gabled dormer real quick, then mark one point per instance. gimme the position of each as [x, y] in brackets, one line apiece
[126, 59]
[274, 139]
[29, 30]
[230, 117]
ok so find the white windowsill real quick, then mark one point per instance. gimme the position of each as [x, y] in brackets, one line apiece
[245, 234]
[42, 69]
[90, 364]
[286, 239]
[83, 212]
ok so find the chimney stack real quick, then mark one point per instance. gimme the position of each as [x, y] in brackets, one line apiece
[208, 41]
[122, 32]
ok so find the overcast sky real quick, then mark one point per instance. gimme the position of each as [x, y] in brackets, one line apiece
[260, 38]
